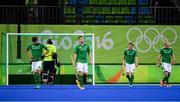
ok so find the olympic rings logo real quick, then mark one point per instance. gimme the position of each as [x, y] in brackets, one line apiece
[151, 42]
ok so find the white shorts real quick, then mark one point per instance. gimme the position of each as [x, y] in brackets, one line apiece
[82, 67]
[130, 68]
[36, 66]
[166, 67]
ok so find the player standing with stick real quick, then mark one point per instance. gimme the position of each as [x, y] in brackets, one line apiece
[36, 59]
[81, 52]
[166, 53]
[130, 61]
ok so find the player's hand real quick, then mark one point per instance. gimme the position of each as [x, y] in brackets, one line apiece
[91, 61]
[158, 65]
[42, 56]
[136, 65]
[31, 60]
[173, 62]
[74, 65]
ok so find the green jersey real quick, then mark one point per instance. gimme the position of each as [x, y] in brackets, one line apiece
[130, 56]
[36, 51]
[82, 51]
[166, 54]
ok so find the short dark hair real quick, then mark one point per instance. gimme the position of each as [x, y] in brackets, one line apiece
[131, 43]
[34, 39]
[49, 41]
[80, 37]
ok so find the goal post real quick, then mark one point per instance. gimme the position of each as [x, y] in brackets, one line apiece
[64, 43]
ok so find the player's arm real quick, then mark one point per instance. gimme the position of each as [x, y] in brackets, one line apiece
[136, 58]
[123, 60]
[47, 50]
[159, 60]
[28, 52]
[173, 58]
[90, 56]
[74, 59]
[123, 64]
[75, 56]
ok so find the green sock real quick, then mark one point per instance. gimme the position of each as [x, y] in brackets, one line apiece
[84, 79]
[36, 78]
[132, 79]
[128, 77]
[165, 78]
[39, 78]
[81, 80]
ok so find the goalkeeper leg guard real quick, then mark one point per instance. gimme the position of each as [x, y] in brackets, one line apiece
[45, 77]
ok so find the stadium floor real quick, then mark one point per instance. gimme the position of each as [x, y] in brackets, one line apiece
[91, 93]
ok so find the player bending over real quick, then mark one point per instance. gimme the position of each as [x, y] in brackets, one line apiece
[166, 53]
[130, 60]
[81, 51]
[36, 59]
[49, 70]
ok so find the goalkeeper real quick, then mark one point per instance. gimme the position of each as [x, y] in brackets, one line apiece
[36, 57]
[81, 51]
[49, 70]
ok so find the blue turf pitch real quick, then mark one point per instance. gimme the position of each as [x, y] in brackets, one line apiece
[91, 93]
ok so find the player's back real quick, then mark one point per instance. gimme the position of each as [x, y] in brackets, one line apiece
[52, 49]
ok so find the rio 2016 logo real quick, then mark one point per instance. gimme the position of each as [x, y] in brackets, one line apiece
[66, 42]
[159, 36]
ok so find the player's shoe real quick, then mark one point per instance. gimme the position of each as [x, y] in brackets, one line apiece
[168, 85]
[161, 83]
[82, 88]
[130, 85]
[37, 87]
[78, 84]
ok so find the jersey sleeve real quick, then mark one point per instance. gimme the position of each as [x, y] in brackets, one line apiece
[136, 53]
[44, 47]
[76, 49]
[161, 51]
[28, 48]
[171, 51]
[124, 52]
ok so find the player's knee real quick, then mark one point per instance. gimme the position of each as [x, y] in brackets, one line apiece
[127, 73]
[80, 73]
[85, 74]
[166, 73]
[132, 73]
[169, 74]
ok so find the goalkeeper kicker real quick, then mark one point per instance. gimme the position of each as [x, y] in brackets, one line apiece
[49, 70]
